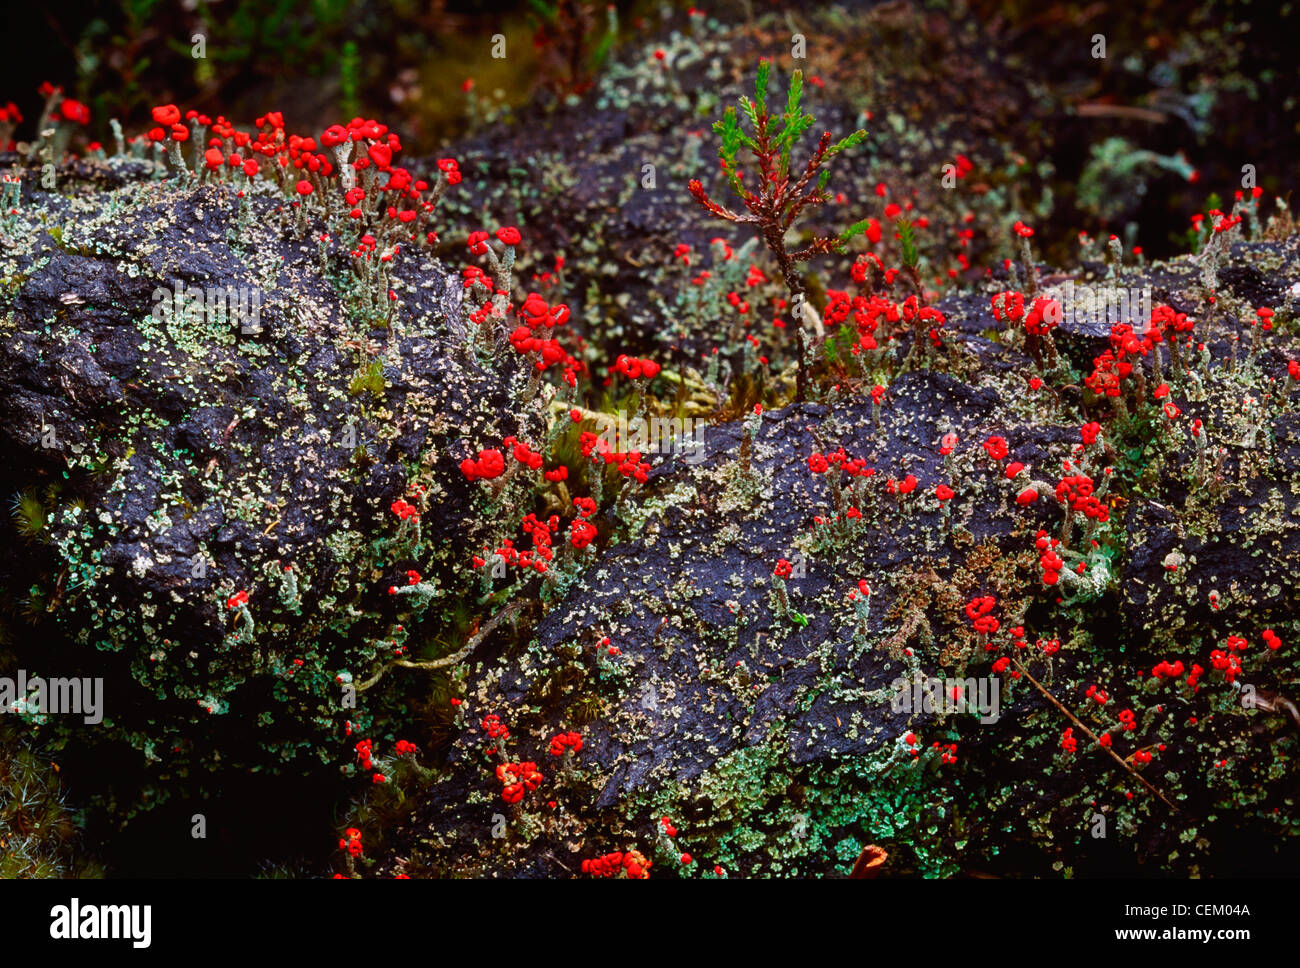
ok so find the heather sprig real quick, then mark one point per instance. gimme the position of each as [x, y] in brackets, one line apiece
[780, 196]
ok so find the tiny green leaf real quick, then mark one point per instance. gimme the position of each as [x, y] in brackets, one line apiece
[857, 228]
[907, 241]
[795, 95]
[852, 141]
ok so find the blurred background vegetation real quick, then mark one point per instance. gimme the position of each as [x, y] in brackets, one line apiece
[1204, 85]
[315, 60]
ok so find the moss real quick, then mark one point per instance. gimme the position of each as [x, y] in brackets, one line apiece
[40, 836]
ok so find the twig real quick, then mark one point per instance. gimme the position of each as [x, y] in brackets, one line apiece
[1093, 110]
[471, 644]
[560, 862]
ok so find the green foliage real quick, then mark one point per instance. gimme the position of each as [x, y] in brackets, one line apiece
[771, 142]
[606, 43]
[369, 379]
[790, 126]
[839, 344]
[793, 122]
[728, 130]
[767, 818]
[857, 228]
[38, 834]
[844, 144]
[907, 242]
[29, 514]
